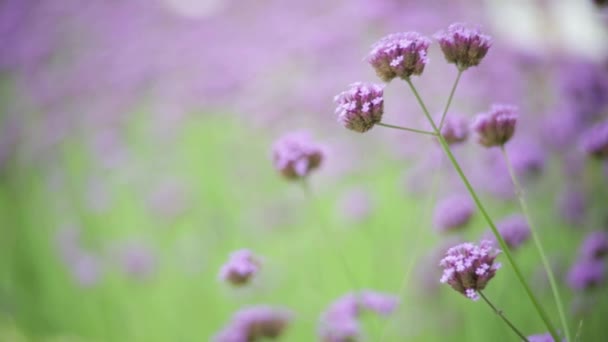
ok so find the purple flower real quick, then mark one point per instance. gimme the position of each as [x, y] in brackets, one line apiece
[527, 158]
[453, 212]
[381, 303]
[361, 106]
[463, 46]
[541, 338]
[571, 205]
[595, 140]
[240, 268]
[138, 261]
[339, 323]
[595, 245]
[514, 230]
[586, 274]
[295, 155]
[497, 126]
[356, 205]
[455, 129]
[399, 55]
[468, 268]
[255, 324]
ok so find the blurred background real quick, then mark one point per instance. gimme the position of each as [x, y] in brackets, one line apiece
[135, 156]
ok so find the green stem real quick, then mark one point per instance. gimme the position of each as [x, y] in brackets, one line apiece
[501, 241]
[524, 207]
[504, 318]
[447, 105]
[406, 129]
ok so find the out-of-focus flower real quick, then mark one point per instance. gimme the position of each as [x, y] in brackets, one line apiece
[138, 261]
[399, 55]
[527, 158]
[463, 46]
[255, 324]
[86, 269]
[356, 205]
[361, 106]
[541, 338]
[455, 128]
[497, 126]
[514, 230]
[571, 205]
[240, 268]
[595, 245]
[295, 155]
[586, 274]
[453, 212]
[380, 303]
[595, 140]
[468, 267]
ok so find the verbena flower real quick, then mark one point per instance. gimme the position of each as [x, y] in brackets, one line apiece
[399, 55]
[595, 140]
[468, 267]
[255, 324]
[541, 338]
[453, 212]
[240, 268]
[381, 303]
[356, 205]
[572, 205]
[527, 158]
[361, 106]
[514, 231]
[595, 245]
[586, 274]
[497, 126]
[295, 156]
[463, 46]
[455, 129]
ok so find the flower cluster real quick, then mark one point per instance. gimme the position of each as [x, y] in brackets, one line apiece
[468, 267]
[255, 323]
[453, 212]
[514, 230]
[399, 55]
[497, 126]
[295, 155]
[595, 140]
[360, 107]
[463, 46]
[589, 270]
[240, 268]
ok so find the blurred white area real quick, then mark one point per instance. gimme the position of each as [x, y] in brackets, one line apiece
[194, 8]
[553, 26]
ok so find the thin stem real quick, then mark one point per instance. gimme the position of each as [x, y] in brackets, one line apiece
[504, 318]
[447, 105]
[533, 230]
[413, 130]
[501, 241]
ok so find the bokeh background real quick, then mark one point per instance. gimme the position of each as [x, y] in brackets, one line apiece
[135, 143]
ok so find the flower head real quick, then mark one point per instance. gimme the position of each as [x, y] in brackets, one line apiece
[463, 46]
[361, 106]
[254, 324]
[399, 55]
[595, 140]
[240, 268]
[586, 274]
[295, 155]
[468, 267]
[453, 212]
[455, 129]
[595, 245]
[497, 126]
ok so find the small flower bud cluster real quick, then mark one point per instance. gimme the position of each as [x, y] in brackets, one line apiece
[360, 107]
[497, 126]
[468, 267]
[463, 46]
[295, 156]
[455, 129]
[255, 323]
[399, 55]
[453, 212]
[589, 270]
[240, 268]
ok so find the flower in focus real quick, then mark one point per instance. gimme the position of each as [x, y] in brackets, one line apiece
[255, 324]
[240, 268]
[399, 55]
[595, 245]
[453, 212]
[295, 155]
[497, 126]
[595, 141]
[586, 274]
[455, 129]
[514, 230]
[468, 267]
[361, 106]
[463, 46]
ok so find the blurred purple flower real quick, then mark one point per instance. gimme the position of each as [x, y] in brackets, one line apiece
[138, 261]
[595, 245]
[514, 230]
[356, 205]
[168, 199]
[572, 205]
[453, 212]
[586, 274]
[295, 155]
[527, 158]
[463, 46]
[240, 268]
[497, 126]
[255, 323]
[381, 303]
[541, 338]
[361, 106]
[86, 269]
[399, 55]
[468, 268]
[584, 87]
[455, 128]
[343, 329]
[595, 140]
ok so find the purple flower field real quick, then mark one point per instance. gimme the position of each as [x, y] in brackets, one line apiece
[224, 171]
